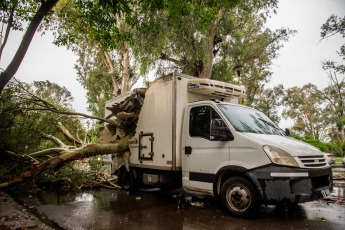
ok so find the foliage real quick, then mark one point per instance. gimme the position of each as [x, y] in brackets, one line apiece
[234, 36]
[304, 106]
[315, 142]
[23, 125]
[334, 94]
[68, 177]
[269, 100]
[200, 38]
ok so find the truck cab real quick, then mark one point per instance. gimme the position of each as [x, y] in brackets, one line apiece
[238, 154]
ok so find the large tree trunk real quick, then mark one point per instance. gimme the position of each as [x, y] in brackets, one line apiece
[208, 60]
[71, 155]
[12, 68]
[209, 47]
[125, 73]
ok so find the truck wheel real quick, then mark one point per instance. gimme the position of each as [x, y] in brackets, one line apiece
[240, 197]
[126, 179]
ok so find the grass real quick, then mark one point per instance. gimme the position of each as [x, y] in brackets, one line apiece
[338, 159]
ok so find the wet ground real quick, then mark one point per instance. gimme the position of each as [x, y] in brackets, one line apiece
[117, 209]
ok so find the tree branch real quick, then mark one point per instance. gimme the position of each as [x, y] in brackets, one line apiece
[57, 141]
[46, 152]
[134, 81]
[8, 29]
[71, 155]
[164, 57]
[68, 135]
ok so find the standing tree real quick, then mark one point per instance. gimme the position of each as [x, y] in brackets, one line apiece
[12, 15]
[232, 35]
[334, 94]
[269, 100]
[304, 106]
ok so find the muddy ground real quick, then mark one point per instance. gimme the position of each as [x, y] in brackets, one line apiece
[153, 209]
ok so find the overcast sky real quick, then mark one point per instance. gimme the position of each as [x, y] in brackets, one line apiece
[300, 59]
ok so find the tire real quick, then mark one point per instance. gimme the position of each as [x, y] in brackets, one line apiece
[127, 180]
[240, 197]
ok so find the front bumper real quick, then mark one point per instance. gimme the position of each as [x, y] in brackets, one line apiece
[278, 184]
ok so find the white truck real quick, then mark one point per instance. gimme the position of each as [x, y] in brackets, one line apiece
[193, 133]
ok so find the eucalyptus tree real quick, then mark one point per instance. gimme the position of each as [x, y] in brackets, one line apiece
[24, 125]
[107, 40]
[334, 94]
[13, 13]
[32, 114]
[269, 101]
[305, 106]
[229, 35]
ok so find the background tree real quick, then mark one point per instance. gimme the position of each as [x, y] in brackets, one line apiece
[269, 101]
[304, 106]
[234, 35]
[334, 94]
[13, 12]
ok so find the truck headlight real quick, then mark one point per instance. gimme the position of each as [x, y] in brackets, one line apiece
[279, 156]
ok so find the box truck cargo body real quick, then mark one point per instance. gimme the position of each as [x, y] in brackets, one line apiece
[192, 132]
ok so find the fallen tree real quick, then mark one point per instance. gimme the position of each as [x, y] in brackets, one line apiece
[114, 136]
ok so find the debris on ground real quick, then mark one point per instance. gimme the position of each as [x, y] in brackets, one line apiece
[14, 216]
[334, 200]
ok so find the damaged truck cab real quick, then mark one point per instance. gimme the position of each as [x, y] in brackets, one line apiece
[192, 132]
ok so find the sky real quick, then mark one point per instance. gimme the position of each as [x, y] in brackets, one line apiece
[299, 61]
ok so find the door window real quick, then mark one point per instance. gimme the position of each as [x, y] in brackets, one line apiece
[200, 119]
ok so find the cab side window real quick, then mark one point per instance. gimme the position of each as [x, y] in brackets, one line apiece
[199, 121]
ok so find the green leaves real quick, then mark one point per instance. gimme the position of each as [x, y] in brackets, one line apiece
[22, 120]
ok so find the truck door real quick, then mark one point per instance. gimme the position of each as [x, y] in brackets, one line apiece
[202, 157]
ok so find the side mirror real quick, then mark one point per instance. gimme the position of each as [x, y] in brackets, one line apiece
[287, 132]
[219, 131]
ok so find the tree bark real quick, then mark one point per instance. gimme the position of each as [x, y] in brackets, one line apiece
[12, 68]
[125, 68]
[71, 155]
[8, 30]
[68, 135]
[54, 139]
[209, 47]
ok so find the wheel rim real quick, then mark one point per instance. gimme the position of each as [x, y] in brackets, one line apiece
[239, 197]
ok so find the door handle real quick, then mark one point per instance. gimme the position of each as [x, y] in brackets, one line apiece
[187, 150]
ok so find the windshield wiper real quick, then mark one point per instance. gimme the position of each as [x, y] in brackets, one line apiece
[270, 124]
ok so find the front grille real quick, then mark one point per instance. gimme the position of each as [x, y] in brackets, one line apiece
[313, 161]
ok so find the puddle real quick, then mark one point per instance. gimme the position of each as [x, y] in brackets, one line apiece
[117, 209]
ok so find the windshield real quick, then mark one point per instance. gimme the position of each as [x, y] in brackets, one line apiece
[249, 120]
